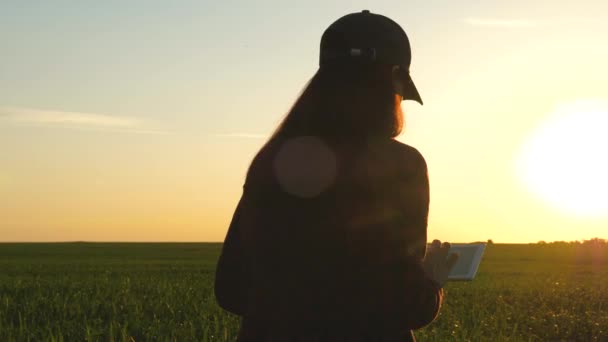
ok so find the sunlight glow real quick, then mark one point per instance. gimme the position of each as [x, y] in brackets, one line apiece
[565, 161]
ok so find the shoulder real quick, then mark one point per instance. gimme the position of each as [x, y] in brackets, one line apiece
[407, 156]
[260, 169]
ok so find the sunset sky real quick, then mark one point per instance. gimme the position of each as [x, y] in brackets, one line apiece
[136, 120]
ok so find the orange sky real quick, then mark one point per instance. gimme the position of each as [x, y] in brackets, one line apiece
[139, 124]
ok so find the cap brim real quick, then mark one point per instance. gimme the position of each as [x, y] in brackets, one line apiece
[410, 92]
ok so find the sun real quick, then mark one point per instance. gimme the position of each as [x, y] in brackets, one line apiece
[565, 161]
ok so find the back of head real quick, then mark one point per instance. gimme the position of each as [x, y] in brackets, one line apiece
[355, 96]
[346, 102]
[354, 93]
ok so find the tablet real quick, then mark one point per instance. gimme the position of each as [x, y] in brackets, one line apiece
[468, 262]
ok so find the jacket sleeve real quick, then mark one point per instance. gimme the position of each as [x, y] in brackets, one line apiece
[424, 302]
[232, 279]
[424, 297]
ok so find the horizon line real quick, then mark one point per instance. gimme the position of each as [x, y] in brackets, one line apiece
[195, 242]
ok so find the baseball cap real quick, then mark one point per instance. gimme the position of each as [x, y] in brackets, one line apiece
[369, 38]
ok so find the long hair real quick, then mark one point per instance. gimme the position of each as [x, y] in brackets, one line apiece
[351, 103]
[347, 101]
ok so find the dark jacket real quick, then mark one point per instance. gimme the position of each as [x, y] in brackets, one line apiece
[342, 265]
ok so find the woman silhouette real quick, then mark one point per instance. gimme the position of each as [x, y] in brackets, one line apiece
[329, 239]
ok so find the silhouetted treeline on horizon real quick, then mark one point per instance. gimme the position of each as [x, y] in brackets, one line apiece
[594, 242]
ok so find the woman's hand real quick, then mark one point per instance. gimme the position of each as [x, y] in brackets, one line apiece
[437, 264]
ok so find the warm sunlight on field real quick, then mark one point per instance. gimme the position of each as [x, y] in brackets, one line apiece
[164, 292]
[564, 161]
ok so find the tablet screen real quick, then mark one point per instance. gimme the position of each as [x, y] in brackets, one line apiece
[468, 262]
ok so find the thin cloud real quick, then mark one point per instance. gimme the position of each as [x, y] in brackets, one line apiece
[582, 20]
[242, 135]
[75, 120]
[122, 130]
[501, 23]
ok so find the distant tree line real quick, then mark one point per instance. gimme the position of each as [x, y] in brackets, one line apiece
[594, 242]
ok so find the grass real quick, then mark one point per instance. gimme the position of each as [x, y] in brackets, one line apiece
[164, 292]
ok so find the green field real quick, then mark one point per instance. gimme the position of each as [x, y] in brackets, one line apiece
[95, 291]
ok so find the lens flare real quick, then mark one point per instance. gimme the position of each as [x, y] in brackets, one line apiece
[305, 166]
